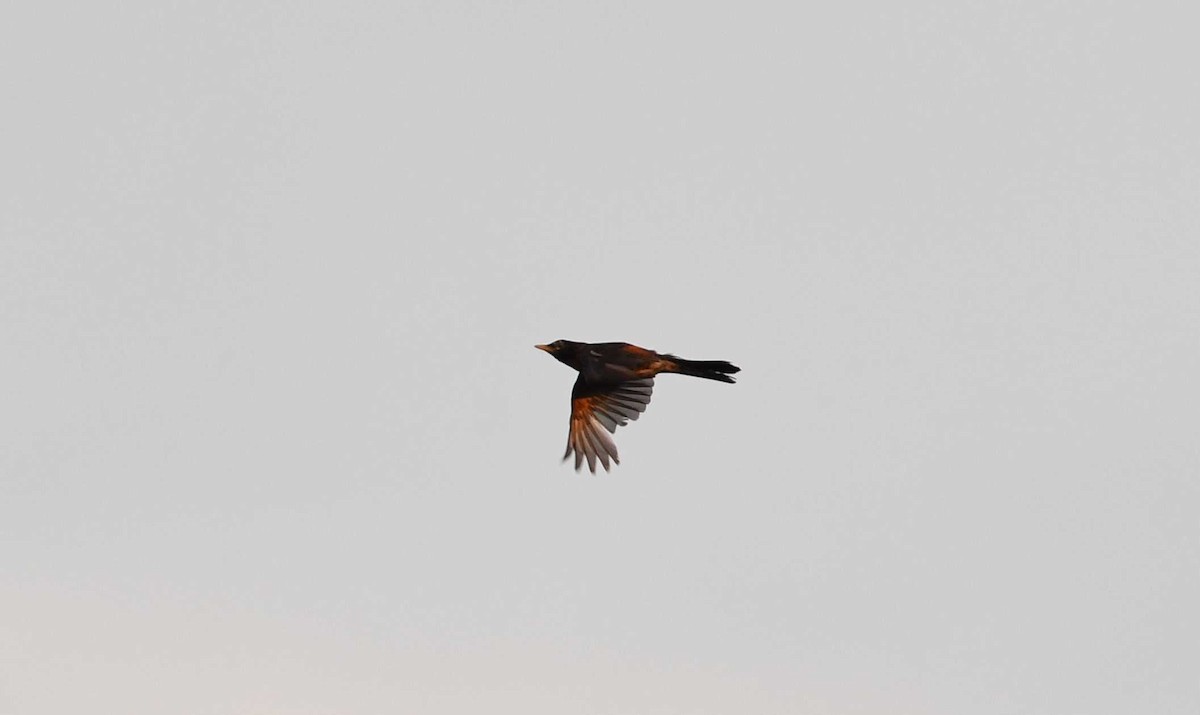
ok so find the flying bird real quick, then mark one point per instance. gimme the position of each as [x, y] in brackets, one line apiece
[614, 385]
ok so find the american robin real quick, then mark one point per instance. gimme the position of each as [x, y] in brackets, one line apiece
[614, 385]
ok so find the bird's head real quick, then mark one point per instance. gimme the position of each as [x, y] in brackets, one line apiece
[563, 350]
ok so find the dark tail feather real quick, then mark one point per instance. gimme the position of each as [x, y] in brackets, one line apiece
[708, 369]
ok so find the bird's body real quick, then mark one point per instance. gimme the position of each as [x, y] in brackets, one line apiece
[614, 386]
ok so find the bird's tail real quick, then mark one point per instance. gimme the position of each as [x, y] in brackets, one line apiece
[708, 369]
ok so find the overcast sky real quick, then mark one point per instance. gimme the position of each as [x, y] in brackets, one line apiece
[276, 439]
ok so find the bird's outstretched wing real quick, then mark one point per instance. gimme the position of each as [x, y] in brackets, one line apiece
[599, 407]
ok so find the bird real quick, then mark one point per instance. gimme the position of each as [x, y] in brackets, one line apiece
[614, 385]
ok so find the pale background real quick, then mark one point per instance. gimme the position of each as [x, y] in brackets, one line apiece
[276, 440]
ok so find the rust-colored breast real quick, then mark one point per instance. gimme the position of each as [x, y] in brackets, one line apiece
[656, 366]
[646, 363]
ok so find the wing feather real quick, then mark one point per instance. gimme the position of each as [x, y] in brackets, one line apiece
[596, 411]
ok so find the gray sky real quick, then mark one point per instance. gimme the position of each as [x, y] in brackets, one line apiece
[277, 440]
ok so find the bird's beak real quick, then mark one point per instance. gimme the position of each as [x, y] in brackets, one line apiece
[545, 348]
